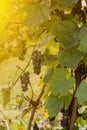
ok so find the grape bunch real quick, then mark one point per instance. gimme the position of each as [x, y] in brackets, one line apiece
[24, 79]
[36, 61]
[64, 121]
[35, 127]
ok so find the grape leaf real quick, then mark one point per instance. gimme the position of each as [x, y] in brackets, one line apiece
[81, 122]
[85, 59]
[46, 2]
[16, 48]
[6, 93]
[54, 105]
[18, 126]
[83, 39]
[49, 59]
[36, 14]
[69, 58]
[67, 33]
[67, 100]
[81, 92]
[48, 75]
[84, 115]
[59, 83]
[65, 3]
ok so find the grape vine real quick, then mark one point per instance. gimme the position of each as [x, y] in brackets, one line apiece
[48, 40]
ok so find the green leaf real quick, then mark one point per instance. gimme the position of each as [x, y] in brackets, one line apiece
[67, 33]
[76, 128]
[49, 59]
[59, 83]
[81, 121]
[48, 75]
[65, 3]
[84, 115]
[46, 2]
[3, 128]
[18, 126]
[54, 105]
[81, 92]
[6, 92]
[85, 59]
[36, 14]
[69, 58]
[15, 126]
[67, 100]
[83, 39]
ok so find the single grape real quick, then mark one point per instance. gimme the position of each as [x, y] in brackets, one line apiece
[36, 61]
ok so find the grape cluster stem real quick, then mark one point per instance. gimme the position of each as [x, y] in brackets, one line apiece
[28, 63]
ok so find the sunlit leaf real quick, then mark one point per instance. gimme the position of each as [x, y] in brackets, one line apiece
[36, 14]
[48, 75]
[81, 121]
[47, 2]
[65, 3]
[18, 126]
[25, 111]
[16, 48]
[49, 59]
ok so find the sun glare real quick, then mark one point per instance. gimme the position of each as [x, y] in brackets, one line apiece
[5, 8]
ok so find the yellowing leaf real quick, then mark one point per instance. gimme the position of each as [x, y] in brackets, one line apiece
[16, 48]
[36, 14]
[22, 127]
